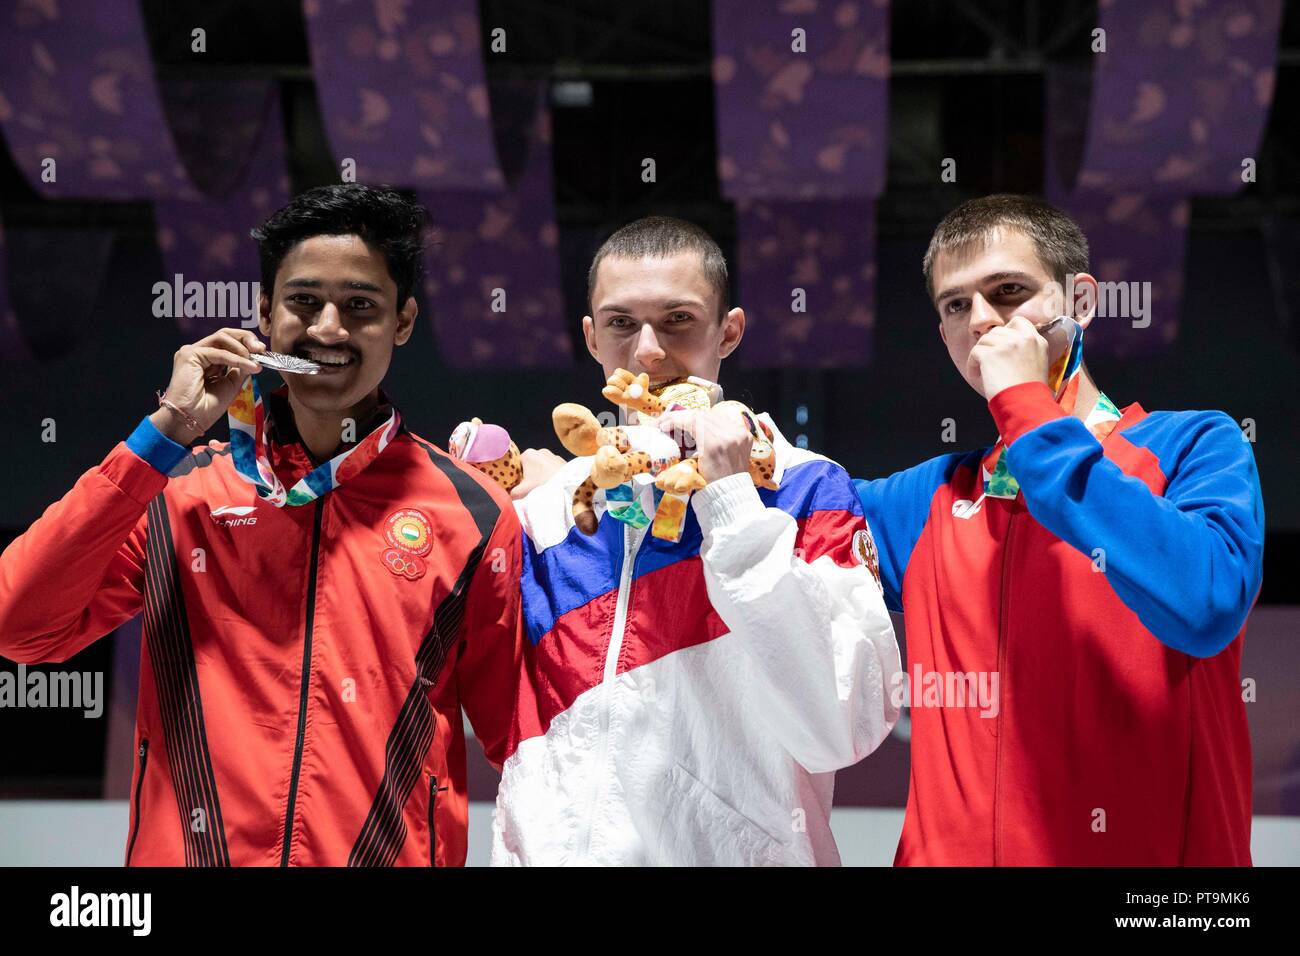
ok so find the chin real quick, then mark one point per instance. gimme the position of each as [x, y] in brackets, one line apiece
[321, 395]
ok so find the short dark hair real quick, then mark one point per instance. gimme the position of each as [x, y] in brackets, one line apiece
[663, 236]
[1058, 241]
[380, 216]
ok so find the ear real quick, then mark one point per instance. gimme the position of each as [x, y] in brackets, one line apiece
[406, 320]
[1084, 305]
[589, 335]
[942, 334]
[264, 315]
[733, 330]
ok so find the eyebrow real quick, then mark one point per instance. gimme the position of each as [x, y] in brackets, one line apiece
[355, 284]
[994, 277]
[666, 307]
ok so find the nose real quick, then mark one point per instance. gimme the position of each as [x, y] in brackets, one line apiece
[983, 317]
[648, 352]
[328, 328]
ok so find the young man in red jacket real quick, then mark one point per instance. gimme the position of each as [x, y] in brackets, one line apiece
[1093, 569]
[321, 595]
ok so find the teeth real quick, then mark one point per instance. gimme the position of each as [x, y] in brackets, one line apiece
[327, 359]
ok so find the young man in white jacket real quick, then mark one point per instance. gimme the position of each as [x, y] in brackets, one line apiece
[693, 698]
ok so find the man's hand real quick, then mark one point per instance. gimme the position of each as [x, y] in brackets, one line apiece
[1008, 355]
[206, 377]
[539, 464]
[722, 442]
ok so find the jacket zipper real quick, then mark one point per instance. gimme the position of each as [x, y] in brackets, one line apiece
[304, 684]
[631, 545]
[1002, 685]
[139, 785]
[433, 803]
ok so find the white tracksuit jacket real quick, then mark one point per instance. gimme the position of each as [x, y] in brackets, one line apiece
[694, 699]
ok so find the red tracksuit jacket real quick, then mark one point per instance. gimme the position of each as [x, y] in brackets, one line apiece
[1110, 599]
[303, 668]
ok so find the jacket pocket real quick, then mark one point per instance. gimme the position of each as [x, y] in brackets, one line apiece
[433, 806]
[696, 827]
[143, 760]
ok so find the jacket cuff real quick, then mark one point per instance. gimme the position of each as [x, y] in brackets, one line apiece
[726, 501]
[1022, 408]
[155, 447]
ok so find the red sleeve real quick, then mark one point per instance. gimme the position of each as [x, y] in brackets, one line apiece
[78, 572]
[491, 656]
[1022, 408]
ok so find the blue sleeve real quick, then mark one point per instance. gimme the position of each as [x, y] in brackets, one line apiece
[1190, 563]
[155, 447]
[896, 509]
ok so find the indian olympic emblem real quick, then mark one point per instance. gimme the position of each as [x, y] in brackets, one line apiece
[410, 538]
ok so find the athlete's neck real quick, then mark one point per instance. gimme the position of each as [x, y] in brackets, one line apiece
[1086, 400]
[322, 432]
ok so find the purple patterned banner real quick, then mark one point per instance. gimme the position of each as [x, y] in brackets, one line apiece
[403, 91]
[807, 282]
[404, 96]
[79, 105]
[803, 114]
[84, 118]
[1179, 99]
[211, 263]
[493, 279]
[802, 93]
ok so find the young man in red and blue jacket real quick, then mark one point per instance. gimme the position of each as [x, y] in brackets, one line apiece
[1095, 566]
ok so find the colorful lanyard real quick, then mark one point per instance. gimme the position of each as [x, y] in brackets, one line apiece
[1065, 373]
[250, 447]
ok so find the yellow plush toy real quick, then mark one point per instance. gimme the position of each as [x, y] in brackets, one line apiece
[622, 452]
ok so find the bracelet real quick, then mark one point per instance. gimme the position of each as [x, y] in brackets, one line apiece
[190, 421]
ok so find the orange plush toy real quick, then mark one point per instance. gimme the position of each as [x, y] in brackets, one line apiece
[623, 453]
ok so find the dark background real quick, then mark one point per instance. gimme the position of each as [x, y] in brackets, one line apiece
[967, 82]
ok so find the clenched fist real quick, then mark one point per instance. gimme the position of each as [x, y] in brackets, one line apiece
[206, 377]
[723, 443]
[1008, 355]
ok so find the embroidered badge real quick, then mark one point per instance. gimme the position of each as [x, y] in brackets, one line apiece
[410, 538]
[864, 549]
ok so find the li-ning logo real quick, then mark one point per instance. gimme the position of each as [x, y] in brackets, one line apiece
[230, 516]
[966, 509]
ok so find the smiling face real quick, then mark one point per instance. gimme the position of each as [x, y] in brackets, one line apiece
[335, 303]
[659, 315]
[979, 287]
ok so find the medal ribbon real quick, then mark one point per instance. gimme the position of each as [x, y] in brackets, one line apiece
[250, 449]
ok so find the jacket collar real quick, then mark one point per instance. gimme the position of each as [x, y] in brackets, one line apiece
[283, 430]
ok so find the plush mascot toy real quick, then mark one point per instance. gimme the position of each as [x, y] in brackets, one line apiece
[489, 449]
[624, 457]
